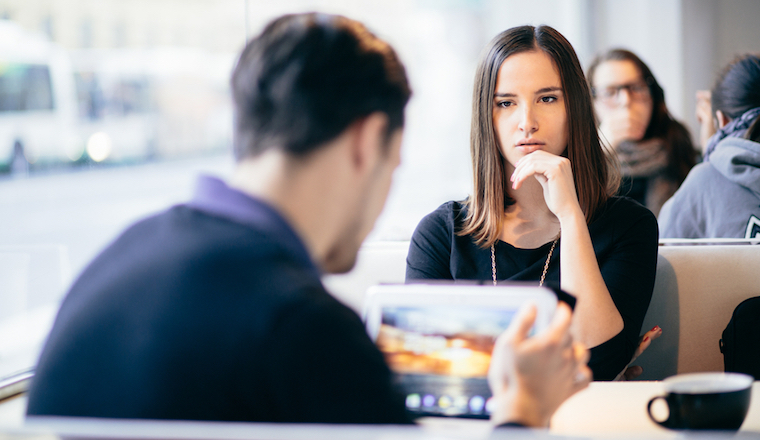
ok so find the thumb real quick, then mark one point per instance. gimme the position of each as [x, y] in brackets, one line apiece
[560, 322]
[522, 323]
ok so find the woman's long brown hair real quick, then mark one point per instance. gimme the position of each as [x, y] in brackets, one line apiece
[594, 171]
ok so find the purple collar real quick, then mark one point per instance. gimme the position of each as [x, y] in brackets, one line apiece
[214, 197]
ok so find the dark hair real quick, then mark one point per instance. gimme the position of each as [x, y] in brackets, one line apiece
[738, 87]
[594, 178]
[753, 132]
[306, 78]
[682, 155]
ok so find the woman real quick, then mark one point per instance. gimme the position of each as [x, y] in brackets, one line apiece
[542, 204]
[720, 198]
[655, 150]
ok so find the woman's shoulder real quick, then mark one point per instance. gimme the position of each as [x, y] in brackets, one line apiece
[451, 213]
[621, 211]
[624, 220]
[624, 206]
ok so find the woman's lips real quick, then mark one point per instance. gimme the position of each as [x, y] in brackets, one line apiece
[529, 147]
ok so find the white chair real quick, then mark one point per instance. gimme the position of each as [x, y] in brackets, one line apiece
[377, 263]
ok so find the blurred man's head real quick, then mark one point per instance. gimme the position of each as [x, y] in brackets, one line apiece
[325, 97]
[306, 78]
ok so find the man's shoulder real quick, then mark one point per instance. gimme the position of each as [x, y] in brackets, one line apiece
[182, 230]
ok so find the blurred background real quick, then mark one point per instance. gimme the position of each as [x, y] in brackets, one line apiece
[109, 109]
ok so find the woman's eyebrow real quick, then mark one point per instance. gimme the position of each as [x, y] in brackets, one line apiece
[549, 89]
[538, 92]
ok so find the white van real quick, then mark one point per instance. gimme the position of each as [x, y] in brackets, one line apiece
[38, 108]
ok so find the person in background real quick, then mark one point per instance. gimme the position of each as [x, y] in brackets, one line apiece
[655, 150]
[543, 207]
[214, 309]
[720, 197]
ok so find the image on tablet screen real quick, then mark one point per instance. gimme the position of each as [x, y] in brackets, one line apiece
[440, 355]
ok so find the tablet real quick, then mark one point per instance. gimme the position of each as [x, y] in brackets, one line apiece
[437, 339]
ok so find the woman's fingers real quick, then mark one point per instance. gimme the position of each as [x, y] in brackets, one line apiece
[647, 339]
[539, 163]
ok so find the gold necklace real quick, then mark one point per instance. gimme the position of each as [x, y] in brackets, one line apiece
[546, 265]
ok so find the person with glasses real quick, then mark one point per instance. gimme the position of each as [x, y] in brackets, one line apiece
[655, 150]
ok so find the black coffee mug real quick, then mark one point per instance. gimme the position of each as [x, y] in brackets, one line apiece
[705, 401]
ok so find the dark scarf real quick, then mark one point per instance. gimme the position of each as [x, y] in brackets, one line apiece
[736, 128]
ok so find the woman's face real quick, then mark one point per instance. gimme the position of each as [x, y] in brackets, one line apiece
[529, 106]
[622, 98]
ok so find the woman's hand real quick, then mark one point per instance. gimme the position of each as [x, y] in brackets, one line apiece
[555, 175]
[623, 124]
[704, 115]
[631, 372]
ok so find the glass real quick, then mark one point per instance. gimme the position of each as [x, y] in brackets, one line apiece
[610, 95]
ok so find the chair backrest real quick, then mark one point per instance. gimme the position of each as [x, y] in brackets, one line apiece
[696, 290]
[380, 262]
[33, 279]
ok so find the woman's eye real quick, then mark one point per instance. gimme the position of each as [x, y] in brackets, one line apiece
[504, 103]
[548, 99]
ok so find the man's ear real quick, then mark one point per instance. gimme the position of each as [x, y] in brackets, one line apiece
[721, 118]
[369, 140]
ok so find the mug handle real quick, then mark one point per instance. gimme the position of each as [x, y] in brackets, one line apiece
[649, 411]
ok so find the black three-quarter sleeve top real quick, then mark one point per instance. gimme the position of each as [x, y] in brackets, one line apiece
[624, 235]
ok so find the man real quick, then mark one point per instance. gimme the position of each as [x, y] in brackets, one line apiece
[214, 310]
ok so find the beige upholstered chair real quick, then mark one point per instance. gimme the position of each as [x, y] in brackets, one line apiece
[696, 290]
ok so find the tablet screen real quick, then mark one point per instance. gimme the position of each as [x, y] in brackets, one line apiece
[440, 355]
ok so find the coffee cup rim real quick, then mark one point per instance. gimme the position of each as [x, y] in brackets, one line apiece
[707, 383]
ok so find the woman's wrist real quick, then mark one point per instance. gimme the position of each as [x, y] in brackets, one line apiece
[571, 217]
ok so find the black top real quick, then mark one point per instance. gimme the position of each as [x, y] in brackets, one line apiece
[192, 314]
[624, 236]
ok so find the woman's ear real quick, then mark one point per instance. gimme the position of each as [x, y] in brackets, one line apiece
[721, 119]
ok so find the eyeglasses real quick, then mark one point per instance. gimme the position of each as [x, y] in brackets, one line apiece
[611, 95]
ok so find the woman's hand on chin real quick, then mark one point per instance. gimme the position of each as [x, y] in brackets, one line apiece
[555, 175]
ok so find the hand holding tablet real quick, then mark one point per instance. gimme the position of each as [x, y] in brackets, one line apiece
[530, 377]
[440, 339]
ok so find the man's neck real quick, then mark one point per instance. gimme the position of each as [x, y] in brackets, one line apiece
[298, 191]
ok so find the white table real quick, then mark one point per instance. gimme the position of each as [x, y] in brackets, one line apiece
[608, 409]
[605, 410]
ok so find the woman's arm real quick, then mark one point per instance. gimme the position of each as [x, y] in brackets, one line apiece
[596, 318]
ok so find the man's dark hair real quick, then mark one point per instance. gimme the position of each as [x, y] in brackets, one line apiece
[306, 78]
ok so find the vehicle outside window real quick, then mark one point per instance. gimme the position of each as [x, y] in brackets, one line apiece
[37, 101]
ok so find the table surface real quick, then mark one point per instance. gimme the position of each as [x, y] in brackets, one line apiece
[609, 408]
[612, 410]
[604, 410]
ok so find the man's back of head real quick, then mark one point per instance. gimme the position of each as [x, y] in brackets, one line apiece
[306, 78]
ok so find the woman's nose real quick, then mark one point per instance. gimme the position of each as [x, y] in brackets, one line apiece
[528, 122]
[624, 96]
